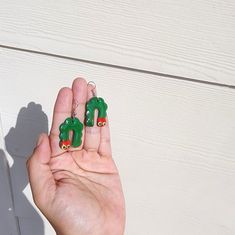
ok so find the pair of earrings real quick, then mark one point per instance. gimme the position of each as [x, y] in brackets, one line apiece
[73, 123]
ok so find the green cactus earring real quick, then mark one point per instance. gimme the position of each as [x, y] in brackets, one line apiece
[95, 103]
[71, 124]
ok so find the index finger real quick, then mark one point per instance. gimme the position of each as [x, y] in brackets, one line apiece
[62, 110]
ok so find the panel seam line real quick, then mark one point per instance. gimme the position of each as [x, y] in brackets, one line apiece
[119, 67]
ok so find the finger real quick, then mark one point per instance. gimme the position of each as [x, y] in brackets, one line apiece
[62, 110]
[92, 134]
[40, 176]
[105, 141]
[79, 89]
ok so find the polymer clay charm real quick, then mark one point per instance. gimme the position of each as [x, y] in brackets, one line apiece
[93, 104]
[70, 124]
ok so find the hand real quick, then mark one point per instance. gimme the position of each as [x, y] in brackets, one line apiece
[78, 190]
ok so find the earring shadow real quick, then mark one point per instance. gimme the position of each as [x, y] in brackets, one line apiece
[20, 142]
[8, 222]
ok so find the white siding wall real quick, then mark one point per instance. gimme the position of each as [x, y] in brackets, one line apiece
[166, 69]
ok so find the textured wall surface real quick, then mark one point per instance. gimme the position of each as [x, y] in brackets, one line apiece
[166, 69]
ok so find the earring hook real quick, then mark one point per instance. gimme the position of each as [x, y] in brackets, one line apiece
[94, 87]
[75, 105]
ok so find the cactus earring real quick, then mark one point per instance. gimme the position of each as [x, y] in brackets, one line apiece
[71, 124]
[93, 104]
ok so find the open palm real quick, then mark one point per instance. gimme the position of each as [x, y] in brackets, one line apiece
[79, 190]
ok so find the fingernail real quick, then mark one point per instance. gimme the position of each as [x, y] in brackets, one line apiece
[40, 138]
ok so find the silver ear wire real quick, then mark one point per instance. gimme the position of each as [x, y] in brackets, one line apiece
[93, 89]
[75, 105]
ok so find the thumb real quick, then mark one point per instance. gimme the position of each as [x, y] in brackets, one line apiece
[40, 176]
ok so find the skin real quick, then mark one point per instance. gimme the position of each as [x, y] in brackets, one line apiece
[79, 190]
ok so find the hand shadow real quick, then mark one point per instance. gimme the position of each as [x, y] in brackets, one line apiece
[20, 142]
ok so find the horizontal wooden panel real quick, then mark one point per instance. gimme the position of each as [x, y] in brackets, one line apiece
[192, 39]
[173, 141]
